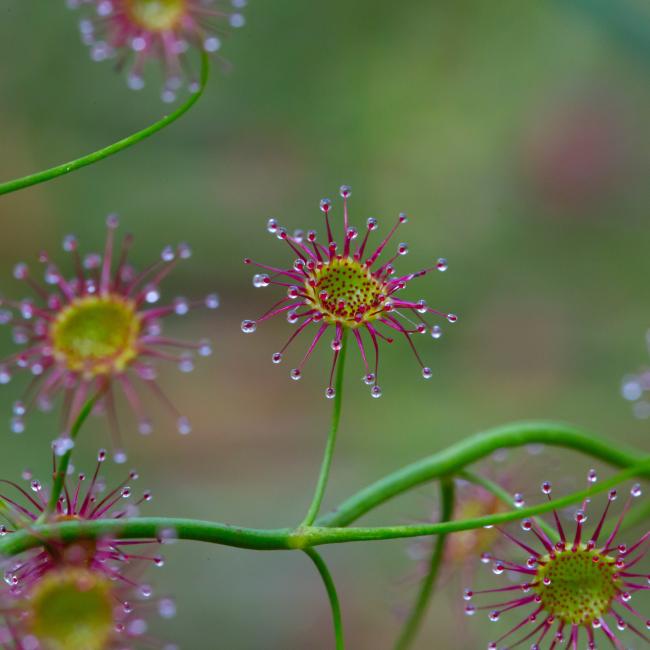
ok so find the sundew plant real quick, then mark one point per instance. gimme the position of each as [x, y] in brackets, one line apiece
[528, 534]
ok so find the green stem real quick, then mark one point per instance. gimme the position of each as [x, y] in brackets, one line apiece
[451, 460]
[62, 468]
[506, 497]
[120, 145]
[326, 465]
[415, 618]
[330, 587]
[284, 538]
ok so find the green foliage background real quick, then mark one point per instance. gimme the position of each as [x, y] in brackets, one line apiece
[516, 137]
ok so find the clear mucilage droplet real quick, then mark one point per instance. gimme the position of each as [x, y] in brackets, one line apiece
[248, 326]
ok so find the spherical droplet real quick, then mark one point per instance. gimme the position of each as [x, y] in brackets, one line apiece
[205, 348]
[212, 301]
[186, 363]
[211, 44]
[69, 243]
[580, 516]
[181, 306]
[135, 81]
[248, 326]
[261, 280]
[21, 271]
[119, 456]
[166, 608]
[152, 294]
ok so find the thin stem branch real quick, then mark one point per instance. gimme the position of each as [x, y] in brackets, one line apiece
[326, 465]
[451, 460]
[416, 616]
[506, 497]
[120, 145]
[62, 468]
[330, 587]
[284, 538]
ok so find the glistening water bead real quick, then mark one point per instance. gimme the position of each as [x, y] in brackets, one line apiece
[337, 286]
[635, 388]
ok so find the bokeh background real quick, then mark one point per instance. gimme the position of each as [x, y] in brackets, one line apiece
[516, 137]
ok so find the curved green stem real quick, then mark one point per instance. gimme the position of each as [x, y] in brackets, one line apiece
[283, 538]
[330, 587]
[319, 493]
[120, 145]
[506, 497]
[62, 469]
[416, 616]
[451, 460]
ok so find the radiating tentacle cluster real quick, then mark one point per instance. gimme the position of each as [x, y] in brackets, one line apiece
[342, 285]
[574, 585]
[95, 333]
[82, 595]
[636, 388]
[135, 31]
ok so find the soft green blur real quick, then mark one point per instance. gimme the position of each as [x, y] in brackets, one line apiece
[514, 134]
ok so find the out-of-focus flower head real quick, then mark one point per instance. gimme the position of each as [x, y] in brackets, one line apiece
[97, 332]
[85, 594]
[135, 31]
